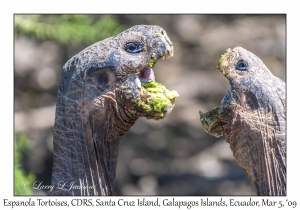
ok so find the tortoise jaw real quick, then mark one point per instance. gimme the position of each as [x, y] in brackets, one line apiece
[216, 121]
[209, 120]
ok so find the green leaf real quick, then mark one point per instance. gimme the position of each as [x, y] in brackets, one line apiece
[67, 29]
[20, 177]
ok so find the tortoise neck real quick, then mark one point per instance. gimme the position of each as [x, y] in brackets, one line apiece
[261, 152]
[86, 146]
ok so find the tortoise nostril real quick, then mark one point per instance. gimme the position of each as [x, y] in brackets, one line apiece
[162, 32]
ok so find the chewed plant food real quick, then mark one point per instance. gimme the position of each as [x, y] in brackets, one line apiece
[156, 97]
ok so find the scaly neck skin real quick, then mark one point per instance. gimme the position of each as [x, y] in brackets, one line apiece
[86, 145]
[89, 120]
[260, 151]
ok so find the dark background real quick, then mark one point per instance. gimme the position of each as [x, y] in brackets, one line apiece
[174, 156]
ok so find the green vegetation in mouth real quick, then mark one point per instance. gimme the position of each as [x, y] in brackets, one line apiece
[151, 63]
[156, 97]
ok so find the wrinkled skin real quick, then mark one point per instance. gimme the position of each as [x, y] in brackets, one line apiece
[252, 116]
[97, 104]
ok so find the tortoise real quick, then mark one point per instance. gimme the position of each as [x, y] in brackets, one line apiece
[100, 96]
[252, 115]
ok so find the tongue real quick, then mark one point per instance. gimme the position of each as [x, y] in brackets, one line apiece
[146, 75]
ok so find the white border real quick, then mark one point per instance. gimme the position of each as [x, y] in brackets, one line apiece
[197, 7]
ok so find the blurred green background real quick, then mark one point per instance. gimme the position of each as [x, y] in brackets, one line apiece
[173, 156]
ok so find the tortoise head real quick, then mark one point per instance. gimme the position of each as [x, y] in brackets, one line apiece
[253, 88]
[140, 48]
[116, 68]
[252, 83]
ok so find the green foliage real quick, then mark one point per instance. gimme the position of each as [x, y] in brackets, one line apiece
[67, 29]
[21, 145]
[158, 97]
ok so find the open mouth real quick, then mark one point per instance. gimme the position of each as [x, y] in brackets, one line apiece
[154, 96]
[146, 75]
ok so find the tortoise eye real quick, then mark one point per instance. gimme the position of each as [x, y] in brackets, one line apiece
[133, 47]
[242, 65]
